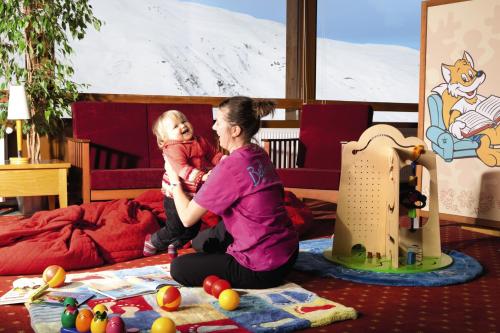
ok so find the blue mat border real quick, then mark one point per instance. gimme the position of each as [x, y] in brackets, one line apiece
[310, 259]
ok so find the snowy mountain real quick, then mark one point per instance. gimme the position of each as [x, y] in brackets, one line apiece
[167, 47]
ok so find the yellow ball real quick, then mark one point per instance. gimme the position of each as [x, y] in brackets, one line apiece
[163, 325]
[100, 307]
[229, 299]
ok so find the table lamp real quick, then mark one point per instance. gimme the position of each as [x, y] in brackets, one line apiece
[18, 110]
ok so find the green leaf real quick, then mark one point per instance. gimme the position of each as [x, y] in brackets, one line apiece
[42, 35]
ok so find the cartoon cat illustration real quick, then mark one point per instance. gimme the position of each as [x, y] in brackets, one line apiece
[460, 95]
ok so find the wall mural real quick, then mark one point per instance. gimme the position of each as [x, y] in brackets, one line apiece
[460, 104]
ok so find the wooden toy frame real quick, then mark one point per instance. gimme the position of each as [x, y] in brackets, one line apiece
[368, 211]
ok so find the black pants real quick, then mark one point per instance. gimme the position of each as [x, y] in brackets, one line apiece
[191, 269]
[174, 232]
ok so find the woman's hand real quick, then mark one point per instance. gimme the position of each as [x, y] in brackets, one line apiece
[189, 211]
[172, 175]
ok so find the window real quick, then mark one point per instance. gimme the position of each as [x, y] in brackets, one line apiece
[185, 48]
[368, 50]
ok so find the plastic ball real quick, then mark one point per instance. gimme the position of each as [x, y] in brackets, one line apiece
[54, 276]
[208, 282]
[163, 325]
[115, 325]
[229, 299]
[168, 298]
[83, 320]
[219, 286]
[100, 308]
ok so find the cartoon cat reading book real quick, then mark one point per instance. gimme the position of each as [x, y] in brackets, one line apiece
[467, 113]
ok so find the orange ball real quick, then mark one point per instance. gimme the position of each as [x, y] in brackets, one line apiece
[83, 320]
[54, 276]
[163, 325]
[229, 299]
[168, 298]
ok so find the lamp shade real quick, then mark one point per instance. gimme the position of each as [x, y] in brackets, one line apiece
[18, 105]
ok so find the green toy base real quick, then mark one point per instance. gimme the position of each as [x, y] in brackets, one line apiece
[358, 261]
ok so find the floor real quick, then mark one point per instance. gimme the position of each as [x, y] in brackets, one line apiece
[469, 307]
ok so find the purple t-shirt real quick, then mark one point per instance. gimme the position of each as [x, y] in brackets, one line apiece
[246, 192]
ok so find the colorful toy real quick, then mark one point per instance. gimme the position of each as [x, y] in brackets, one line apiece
[377, 194]
[163, 325]
[115, 325]
[98, 324]
[207, 283]
[100, 308]
[70, 301]
[53, 276]
[168, 298]
[219, 286]
[83, 320]
[70, 313]
[229, 299]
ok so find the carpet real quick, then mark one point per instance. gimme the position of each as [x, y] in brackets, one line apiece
[464, 268]
[283, 309]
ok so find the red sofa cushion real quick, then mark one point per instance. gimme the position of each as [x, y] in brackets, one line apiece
[320, 145]
[126, 178]
[109, 126]
[310, 178]
[200, 115]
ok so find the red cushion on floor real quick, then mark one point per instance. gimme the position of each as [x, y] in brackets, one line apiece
[299, 213]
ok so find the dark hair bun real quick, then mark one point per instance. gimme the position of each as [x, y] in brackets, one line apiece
[263, 107]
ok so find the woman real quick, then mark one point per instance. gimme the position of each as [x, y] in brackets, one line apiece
[255, 245]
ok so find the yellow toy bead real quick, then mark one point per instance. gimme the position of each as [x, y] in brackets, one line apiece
[417, 151]
[229, 299]
[163, 325]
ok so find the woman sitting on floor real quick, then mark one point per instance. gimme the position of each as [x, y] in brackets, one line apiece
[255, 245]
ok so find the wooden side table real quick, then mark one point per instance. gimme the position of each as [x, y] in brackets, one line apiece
[35, 179]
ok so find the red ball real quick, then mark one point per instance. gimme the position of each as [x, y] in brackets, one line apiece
[208, 282]
[219, 286]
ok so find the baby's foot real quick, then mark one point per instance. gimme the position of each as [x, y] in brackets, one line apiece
[149, 248]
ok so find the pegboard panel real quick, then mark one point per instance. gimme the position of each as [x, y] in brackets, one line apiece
[363, 199]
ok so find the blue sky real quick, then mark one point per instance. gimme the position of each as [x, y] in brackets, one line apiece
[357, 21]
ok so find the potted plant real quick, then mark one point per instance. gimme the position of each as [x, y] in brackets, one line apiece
[34, 47]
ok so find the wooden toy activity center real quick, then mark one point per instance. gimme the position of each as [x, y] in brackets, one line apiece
[377, 228]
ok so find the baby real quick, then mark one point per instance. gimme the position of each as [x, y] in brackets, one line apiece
[192, 157]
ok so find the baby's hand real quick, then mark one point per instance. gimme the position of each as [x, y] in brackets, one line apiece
[205, 176]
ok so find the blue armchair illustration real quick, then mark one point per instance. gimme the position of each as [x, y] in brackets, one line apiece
[443, 142]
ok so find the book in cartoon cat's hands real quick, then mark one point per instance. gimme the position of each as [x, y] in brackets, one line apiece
[486, 114]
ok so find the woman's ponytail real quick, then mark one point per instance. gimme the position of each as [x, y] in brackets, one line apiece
[246, 113]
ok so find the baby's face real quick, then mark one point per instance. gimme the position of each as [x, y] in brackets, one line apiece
[179, 129]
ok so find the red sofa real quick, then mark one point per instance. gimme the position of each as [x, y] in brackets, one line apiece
[113, 151]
